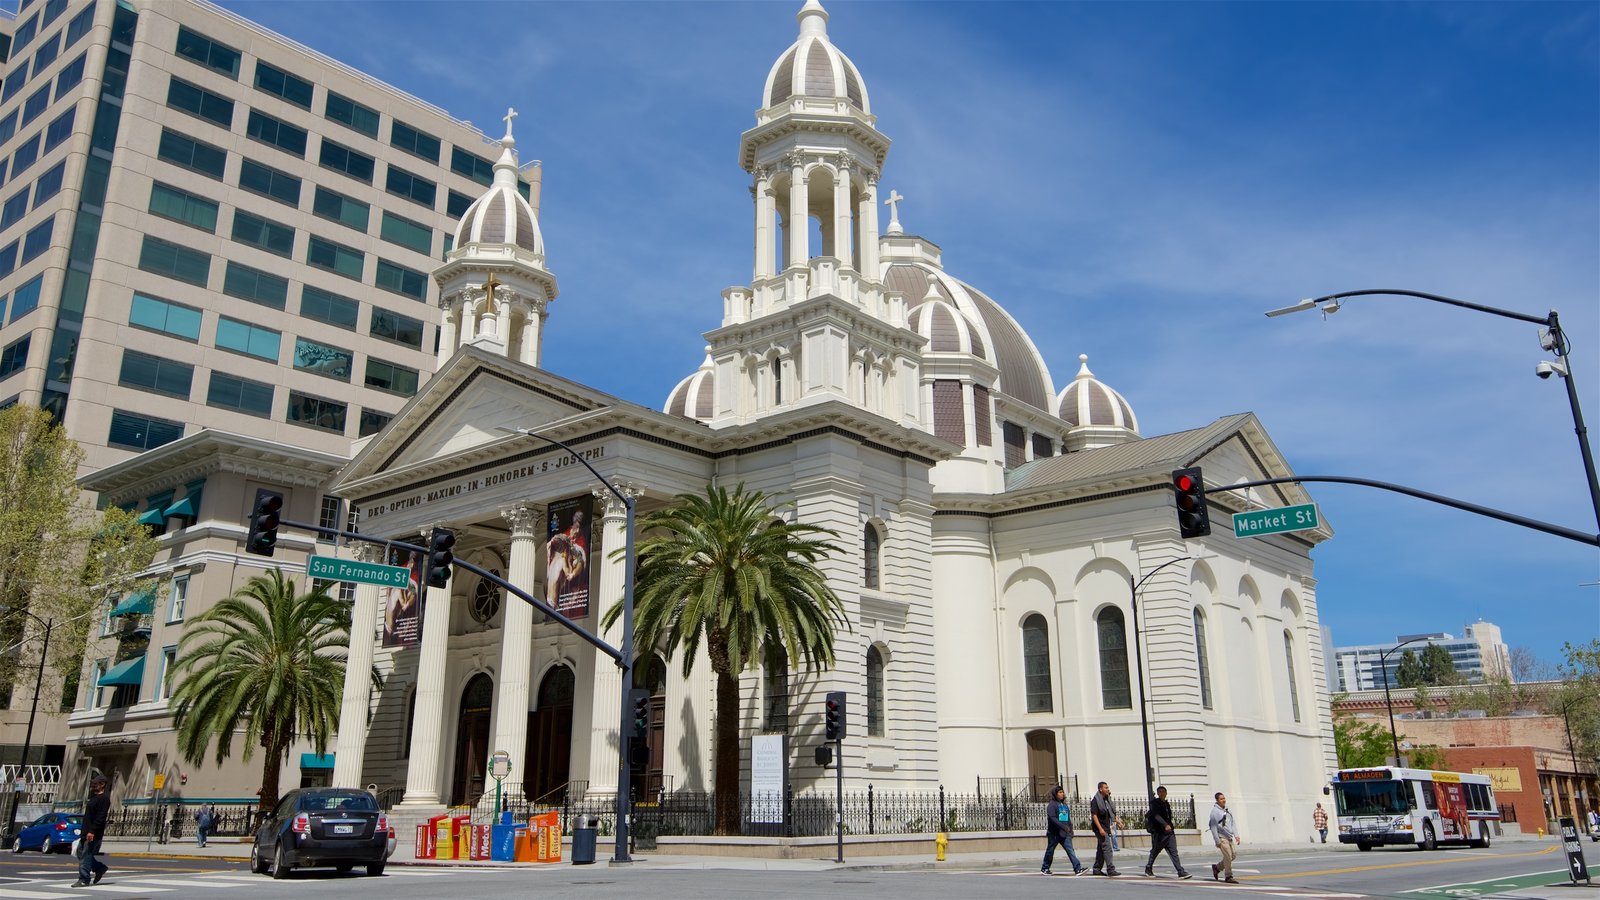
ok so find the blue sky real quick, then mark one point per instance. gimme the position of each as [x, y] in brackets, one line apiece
[1138, 182]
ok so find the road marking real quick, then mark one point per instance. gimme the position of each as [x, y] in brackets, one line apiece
[1402, 865]
[122, 889]
[173, 882]
[1490, 885]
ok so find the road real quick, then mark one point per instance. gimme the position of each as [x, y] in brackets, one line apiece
[1526, 870]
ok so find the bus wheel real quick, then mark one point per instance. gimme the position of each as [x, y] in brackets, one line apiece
[1428, 842]
[1483, 831]
[1363, 846]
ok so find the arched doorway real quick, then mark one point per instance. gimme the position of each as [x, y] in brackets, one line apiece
[650, 673]
[472, 740]
[549, 750]
[1043, 773]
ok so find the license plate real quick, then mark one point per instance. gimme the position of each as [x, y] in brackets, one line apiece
[344, 829]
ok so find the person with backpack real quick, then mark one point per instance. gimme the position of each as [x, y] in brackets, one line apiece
[1158, 821]
[1102, 815]
[204, 821]
[1058, 830]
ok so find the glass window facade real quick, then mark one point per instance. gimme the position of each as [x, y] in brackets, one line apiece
[276, 133]
[339, 208]
[155, 314]
[391, 326]
[406, 233]
[173, 261]
[414, 142]
[269, 182]
[401, 280]
[316, 412]
[324, 306]
[323, 359]
[415, 188]
[1112, 638]
[251, 340]
[347, 112]
[153, 373]
[180, 205]
[195, 46]
[339, 158]
[279, 83]
[255, 285]
[239, 394]
[133, 431]
[181, 150]
[389, 377]
[475, 167]
[337, 258]
[1036, 664]
[197, 101]
[263, 233]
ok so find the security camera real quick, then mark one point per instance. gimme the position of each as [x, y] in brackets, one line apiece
[1546, 368]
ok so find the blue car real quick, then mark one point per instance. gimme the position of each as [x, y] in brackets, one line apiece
[51, 832]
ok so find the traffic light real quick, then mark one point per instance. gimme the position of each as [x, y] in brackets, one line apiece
[1193, 520]
[640, 699]
[833, 715]
[263, 536]
[440, 557]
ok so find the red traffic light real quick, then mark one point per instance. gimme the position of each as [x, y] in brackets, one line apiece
[1184, 482]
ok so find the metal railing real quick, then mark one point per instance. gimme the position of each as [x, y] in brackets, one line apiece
[174, 819]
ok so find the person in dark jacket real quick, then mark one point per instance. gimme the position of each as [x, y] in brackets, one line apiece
[1058, 830]
[96, 812]
[1159, 823]
[1102, 814]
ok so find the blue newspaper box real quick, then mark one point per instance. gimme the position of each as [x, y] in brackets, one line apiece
[503, 842]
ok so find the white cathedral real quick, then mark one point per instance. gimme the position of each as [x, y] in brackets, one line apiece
[995, 524]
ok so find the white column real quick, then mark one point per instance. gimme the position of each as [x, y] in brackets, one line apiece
[606, 704]
[799, 229]
[516, 640]
[531, 335]
[841, 217]
[422, 773]
[764, 212]
[504, 329]
[868, 241]
[468, 327]
[448, 324]
[351, 744]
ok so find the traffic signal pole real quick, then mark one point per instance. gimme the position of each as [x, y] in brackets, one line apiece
[838, 788]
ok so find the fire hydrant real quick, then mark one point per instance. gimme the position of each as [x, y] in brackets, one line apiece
[940, 841]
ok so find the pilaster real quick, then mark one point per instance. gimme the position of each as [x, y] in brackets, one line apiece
[606, 700]
[351, 744]
[516, 638]
[423, 773]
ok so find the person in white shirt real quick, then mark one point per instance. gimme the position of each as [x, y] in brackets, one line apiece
[1225, 832]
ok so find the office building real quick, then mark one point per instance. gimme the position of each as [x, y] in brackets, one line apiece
[1479, 655]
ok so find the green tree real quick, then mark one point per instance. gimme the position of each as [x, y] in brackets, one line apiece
[1360, 743]
[1425, 756]
[269, 661]
[1409, 673]
[1577, 697]
[718, 568]
[60, 558]
[1437, 666]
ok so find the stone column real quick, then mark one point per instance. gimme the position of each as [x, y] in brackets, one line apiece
[351, 744]
[422, 773]
[448, 324]
[503, 326]
[533, 333]
[606, 702]
[799, 229]
[868, 240]
[842, 217]
[764, 213]
[516, 638]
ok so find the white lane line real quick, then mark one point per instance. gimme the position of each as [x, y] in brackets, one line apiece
[188, 883]
[125, 889]
[1483, 881]
[11, 892]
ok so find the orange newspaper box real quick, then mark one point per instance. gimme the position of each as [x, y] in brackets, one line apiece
[525, 844]
[547, 827]
[461, 828]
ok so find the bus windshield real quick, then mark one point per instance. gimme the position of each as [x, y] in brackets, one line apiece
[1372, 798]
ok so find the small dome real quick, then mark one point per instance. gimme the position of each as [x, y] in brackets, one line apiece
[1089, 403]
[501, 216]
[813, 67]
[947, 330]
[692, 398]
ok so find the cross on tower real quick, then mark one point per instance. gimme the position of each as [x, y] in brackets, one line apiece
[488, 290]
[510, 114]
[894, 211]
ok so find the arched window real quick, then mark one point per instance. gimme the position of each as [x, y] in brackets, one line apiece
[1294, 688]
[874, 692]
[777, 382]
[775, 674]
[871, 544]
[1114, 691]
[1202, 660]
[1036, 663]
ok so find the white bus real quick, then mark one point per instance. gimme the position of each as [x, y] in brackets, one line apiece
[1414, 807]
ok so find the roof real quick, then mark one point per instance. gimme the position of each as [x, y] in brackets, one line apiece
[1181, 448]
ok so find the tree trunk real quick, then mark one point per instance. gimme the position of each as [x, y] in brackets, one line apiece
[271, 766]
[725, 738]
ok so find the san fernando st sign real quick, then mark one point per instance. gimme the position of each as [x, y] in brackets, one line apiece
[334, 569]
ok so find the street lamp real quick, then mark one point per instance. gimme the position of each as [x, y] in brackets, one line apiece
[27, 741]
[1551, 338]
[624, 805]
[1383, 663]
[1138, 656]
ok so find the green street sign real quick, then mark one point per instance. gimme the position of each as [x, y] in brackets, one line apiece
[1261, 522]
[333, 568]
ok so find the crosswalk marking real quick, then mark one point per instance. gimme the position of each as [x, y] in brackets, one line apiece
[14, 892]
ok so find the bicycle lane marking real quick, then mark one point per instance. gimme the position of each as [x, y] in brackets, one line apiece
[1489, 886]
[1399, 865]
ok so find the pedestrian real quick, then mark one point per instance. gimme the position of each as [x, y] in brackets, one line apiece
[1158, 821]
[1103, 816]
[1116, 835]
[1225, 831]
[204, 821]
[96, 812]
[1319, 821]
[1058, 830]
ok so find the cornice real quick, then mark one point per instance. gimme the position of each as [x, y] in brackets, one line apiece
[812, 123]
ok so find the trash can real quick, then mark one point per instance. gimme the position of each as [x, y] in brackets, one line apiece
[583, 831]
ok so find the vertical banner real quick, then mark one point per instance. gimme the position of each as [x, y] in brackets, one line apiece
[769, 780]
[566, 576]
[402, 607]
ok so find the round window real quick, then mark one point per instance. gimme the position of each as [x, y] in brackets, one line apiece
[485, 599]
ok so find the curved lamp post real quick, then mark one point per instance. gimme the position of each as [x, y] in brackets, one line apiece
[1138, 656]
[27, 742]
[1383, 663]
[1551, 338]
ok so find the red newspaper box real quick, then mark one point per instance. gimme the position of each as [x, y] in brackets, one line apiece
[481, 844]
[461, 830]
[424, 842]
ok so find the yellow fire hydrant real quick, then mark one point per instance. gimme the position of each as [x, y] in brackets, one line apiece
[940, 841]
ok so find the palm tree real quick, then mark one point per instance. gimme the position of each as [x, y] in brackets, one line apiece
[268, 660]
[720, 568]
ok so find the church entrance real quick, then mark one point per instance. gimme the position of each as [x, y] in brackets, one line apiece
[650, 673]
[1043, 773]
[472, 740]
[549, 750]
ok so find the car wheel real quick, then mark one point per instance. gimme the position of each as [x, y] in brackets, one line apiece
[1428, 843]
[375, 869]
[257, 864]
[1363, 846]
[16, 845]
[280, 866]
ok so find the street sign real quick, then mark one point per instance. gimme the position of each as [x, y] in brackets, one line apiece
[160, 782]
[333, 568]
[1275, 521]
[499, 765]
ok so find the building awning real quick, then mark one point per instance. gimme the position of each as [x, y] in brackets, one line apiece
[313, 761]
[140, 604]
[184, 507]
[129, 671]
[152, 516]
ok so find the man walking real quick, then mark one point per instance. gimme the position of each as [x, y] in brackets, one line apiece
[1102, 814]
[1225, 831]
[96, 811]
[204, 821]
[1158, 821]
[1319, 821]
[1058, 830]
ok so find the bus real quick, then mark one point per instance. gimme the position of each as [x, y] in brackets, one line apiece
[1413, 807]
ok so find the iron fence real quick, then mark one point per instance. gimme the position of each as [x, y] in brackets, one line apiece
[173, 819]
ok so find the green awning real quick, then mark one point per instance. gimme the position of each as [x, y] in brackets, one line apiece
[152, 516]
[184, 507]
[313, 761]
[140, 604]
[129, 671]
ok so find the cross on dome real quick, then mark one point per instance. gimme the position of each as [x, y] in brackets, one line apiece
[511, 113]
[894, 212]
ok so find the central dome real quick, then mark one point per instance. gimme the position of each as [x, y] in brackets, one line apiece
[814, 67]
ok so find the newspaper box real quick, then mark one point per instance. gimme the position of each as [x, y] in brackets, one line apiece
[525, 838]
[424, 841]
[504, 841]
[444, 831]
[547, 847]
[480, 841]
[461, 828]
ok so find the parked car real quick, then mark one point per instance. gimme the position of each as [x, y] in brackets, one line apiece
[322, 827]
[51, 832]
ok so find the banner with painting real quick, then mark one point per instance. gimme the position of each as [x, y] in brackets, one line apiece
[566, 576]
[402, 607]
